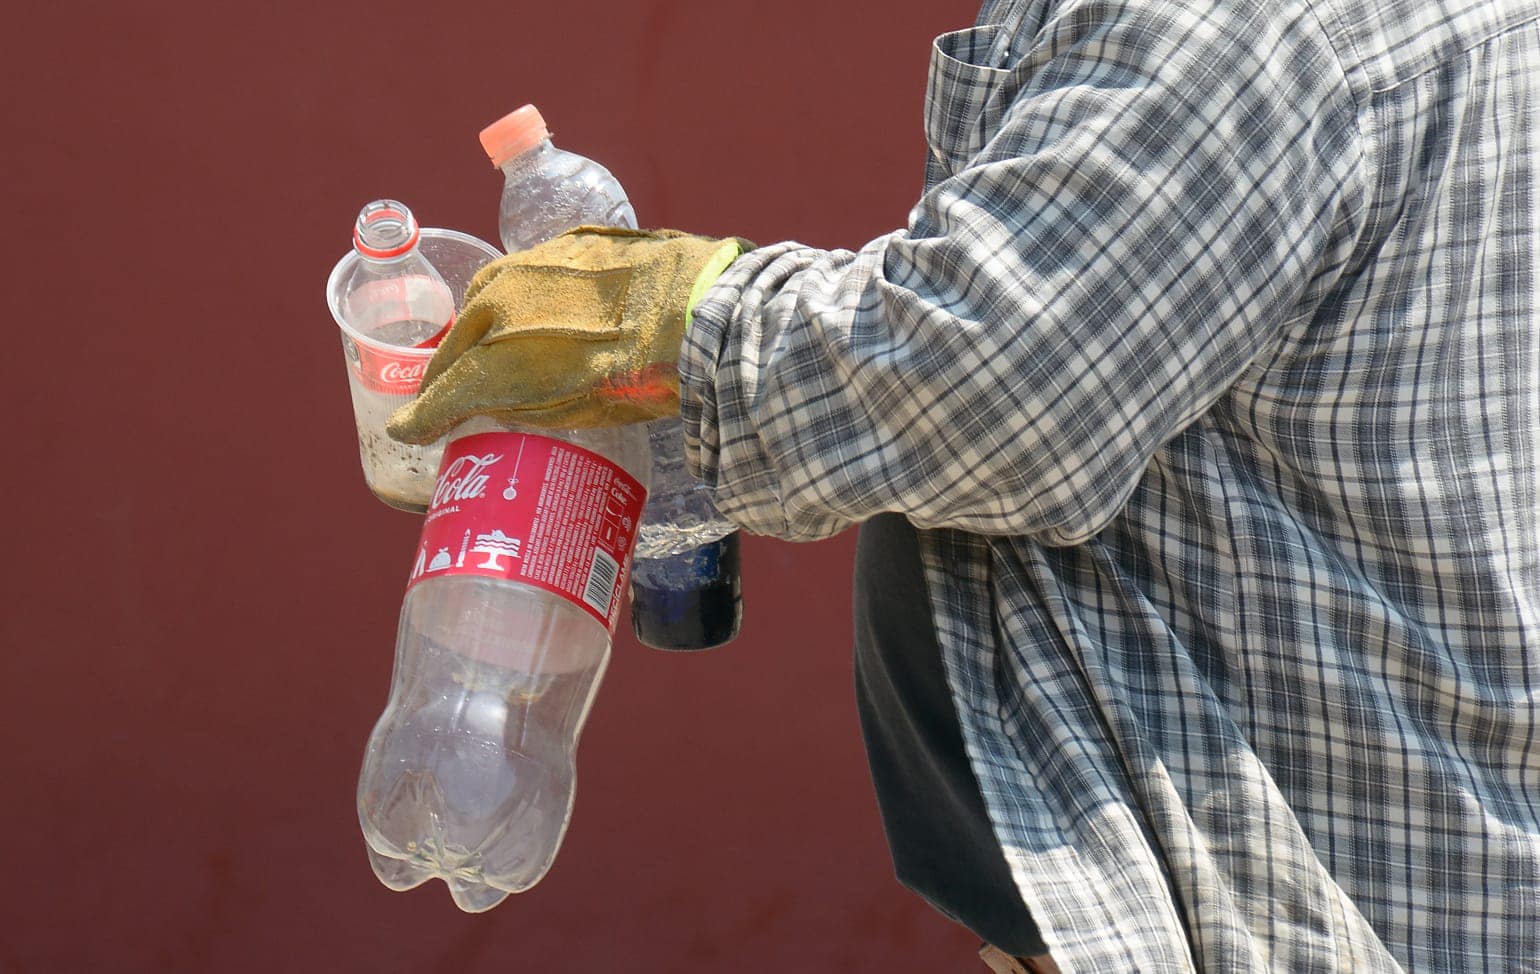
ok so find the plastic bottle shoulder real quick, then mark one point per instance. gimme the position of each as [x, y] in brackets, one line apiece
[552, 191]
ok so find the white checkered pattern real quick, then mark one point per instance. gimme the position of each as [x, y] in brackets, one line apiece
[1210, 361]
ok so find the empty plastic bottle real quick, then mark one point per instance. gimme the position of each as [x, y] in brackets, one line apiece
[391, 293]
[686, 592]
[394, 304]
[505, 632]
[548, 191]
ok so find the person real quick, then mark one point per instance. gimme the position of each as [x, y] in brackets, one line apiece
[1192, 423]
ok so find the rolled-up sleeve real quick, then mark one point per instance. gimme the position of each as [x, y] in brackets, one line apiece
[1163, 190]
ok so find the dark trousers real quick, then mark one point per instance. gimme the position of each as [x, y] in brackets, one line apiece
[939, 833]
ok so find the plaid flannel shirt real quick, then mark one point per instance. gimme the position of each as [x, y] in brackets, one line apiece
[1209, 363]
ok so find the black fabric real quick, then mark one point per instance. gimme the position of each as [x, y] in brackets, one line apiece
[939, 834]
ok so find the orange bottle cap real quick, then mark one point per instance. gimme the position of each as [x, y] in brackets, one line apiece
[514, 134]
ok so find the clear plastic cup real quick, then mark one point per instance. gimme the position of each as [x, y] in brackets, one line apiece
[384, 377]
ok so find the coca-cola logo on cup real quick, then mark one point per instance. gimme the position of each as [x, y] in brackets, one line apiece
[393, 374]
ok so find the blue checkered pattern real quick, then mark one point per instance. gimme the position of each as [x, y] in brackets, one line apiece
[1209, 361]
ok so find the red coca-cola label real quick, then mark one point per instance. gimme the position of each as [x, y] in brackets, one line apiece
[534, 510]
[395, 372]
[390, 313]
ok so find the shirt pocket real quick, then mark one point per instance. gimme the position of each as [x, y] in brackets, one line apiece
[963, 107]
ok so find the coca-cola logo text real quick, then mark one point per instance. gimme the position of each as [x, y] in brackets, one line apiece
[381, 371]
[465, 479]
[402, 372]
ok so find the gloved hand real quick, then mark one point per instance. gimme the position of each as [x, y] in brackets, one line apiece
[583, 330]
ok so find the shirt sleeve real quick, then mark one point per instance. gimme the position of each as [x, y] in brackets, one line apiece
[1163, 190]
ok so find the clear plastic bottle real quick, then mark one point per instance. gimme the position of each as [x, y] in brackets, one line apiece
[392, 295]
[469, 774]
[393, 306]
[685, 585]
[686, 589]
[548, 191]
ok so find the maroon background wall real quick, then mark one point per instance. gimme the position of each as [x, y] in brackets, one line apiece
[200, 596]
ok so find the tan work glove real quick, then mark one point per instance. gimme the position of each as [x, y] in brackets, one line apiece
[583, 330]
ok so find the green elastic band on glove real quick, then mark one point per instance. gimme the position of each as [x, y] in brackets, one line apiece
[730, 251]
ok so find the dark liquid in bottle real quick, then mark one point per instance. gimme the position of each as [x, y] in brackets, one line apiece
[692, 600]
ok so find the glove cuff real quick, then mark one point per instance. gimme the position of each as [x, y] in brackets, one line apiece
[720, 259]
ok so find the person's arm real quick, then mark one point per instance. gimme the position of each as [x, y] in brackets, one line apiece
[1164, 189]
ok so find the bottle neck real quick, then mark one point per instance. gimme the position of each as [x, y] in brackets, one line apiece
[411, 255]
[529, 157]
[386, 232]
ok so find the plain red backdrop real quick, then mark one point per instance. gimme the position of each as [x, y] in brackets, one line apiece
[201, 596]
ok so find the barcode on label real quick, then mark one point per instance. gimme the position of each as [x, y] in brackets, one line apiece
[601, 582]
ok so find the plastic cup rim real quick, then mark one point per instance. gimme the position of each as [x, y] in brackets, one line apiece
[346, 261]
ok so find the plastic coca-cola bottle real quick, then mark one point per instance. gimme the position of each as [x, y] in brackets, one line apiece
[391, 293]
[686, 592]
[392, 306]
[505, 632]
